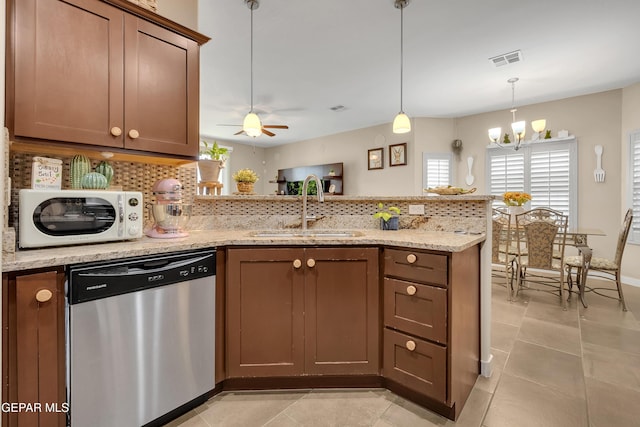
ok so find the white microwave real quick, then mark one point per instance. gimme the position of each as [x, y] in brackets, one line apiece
[69, 217]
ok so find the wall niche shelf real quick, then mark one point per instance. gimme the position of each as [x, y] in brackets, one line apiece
[290, 180]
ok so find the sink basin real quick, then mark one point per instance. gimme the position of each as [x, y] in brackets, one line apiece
[306, 233]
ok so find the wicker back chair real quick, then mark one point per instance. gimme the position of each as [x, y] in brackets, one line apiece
[607, 268]
[541, 234]
[502, 249]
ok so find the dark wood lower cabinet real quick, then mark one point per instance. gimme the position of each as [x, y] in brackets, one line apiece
[302, 311]
[33, 348]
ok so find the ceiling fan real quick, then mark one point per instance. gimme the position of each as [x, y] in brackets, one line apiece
[263, 129]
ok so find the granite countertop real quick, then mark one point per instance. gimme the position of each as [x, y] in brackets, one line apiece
[200, 239]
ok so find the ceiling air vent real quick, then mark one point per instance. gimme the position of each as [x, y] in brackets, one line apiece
[506, 58]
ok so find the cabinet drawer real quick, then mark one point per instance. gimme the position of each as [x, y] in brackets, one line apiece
[416, 266]
[417, 309]
[417, 364]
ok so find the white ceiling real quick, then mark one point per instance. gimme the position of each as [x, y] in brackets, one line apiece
[310, 55]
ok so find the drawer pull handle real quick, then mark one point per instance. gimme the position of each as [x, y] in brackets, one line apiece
[116, 131]
[411, 290]
[133, 134]
[411, 345]
[411, 258]
[297, 263]
[311, 263]
[43, 295]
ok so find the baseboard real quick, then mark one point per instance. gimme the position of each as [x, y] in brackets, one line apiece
[632, 281]
[486, 367]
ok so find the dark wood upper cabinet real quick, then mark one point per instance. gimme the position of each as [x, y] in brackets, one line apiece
[87, 72]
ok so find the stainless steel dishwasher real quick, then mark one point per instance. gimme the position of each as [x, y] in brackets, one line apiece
[141, 338]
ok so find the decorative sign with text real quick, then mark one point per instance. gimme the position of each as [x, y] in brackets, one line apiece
[46, 174]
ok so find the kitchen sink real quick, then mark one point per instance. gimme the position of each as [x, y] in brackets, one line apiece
[306, 233]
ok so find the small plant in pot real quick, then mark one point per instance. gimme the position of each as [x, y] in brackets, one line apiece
[388, 217]
[245, 178]
[211, 162]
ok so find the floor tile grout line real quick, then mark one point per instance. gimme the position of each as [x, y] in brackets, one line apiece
[287, 407]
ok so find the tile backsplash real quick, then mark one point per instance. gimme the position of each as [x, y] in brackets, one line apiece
[130, 176]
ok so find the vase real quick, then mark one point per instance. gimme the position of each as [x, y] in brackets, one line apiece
[391, 224]
[515, 210]
[245, 187]
[210, 170]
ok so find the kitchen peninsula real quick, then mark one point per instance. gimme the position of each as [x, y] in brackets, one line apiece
[370, 308]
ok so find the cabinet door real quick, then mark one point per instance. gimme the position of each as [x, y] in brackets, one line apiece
[68, 73]
[161, 89]
[34, 348]
[342, 311]
[265, 312]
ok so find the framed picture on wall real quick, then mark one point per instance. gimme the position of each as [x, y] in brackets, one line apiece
[375, 158]
[398, 154]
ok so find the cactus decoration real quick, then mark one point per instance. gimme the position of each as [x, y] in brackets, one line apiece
[94, 180]
[107, 170]
[79, 167]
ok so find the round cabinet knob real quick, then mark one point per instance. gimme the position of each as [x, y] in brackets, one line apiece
[311, 263]
[116, 131]
[43, 295]
[297, 263]
[411, 345]
[133, 134]
[411, 290]
[411, 258]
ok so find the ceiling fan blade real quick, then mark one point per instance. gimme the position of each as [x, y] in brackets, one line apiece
[266, 132]
[238, 133]
[227, 125]
[276, 126]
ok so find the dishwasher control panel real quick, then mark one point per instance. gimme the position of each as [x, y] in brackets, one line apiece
[95, 281]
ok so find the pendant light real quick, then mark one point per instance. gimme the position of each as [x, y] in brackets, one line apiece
[401, 124]
[518, 127]
[252, 125]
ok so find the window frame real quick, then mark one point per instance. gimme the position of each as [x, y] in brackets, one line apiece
[526, 150]
[437, 156]
[633, 187]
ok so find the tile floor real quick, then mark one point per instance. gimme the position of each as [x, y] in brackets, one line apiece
[579, 367]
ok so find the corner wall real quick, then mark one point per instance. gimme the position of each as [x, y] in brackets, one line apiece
[630, 122]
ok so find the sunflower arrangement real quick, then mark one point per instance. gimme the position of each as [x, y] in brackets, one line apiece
[516, 198]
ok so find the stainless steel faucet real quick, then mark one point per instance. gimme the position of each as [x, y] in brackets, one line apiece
[305, 185]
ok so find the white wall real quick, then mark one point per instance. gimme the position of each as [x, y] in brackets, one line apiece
[630, 122]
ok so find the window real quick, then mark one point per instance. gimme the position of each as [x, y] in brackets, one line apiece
[547, 171]
[634, 186]
[436, 169]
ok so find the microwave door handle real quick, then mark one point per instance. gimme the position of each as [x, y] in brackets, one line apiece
[120, 215]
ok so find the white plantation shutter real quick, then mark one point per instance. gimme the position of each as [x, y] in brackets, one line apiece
[546, 170]
[634, 186]
[507, 173]
[550, 175]
[437, 169]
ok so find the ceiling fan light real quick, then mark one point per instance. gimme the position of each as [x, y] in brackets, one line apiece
[538, 125]
[252, 125]
[401, 124]
[494, 134]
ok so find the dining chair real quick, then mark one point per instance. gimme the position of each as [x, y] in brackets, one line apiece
[541, 232]
[605, 268]
[503, 252]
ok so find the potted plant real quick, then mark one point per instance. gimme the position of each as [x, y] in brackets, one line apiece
[388, 217]
[211, 162]
[245, 178]
[515, 201]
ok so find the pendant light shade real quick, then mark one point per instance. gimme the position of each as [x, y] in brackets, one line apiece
[252, 125]
[401, 124]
